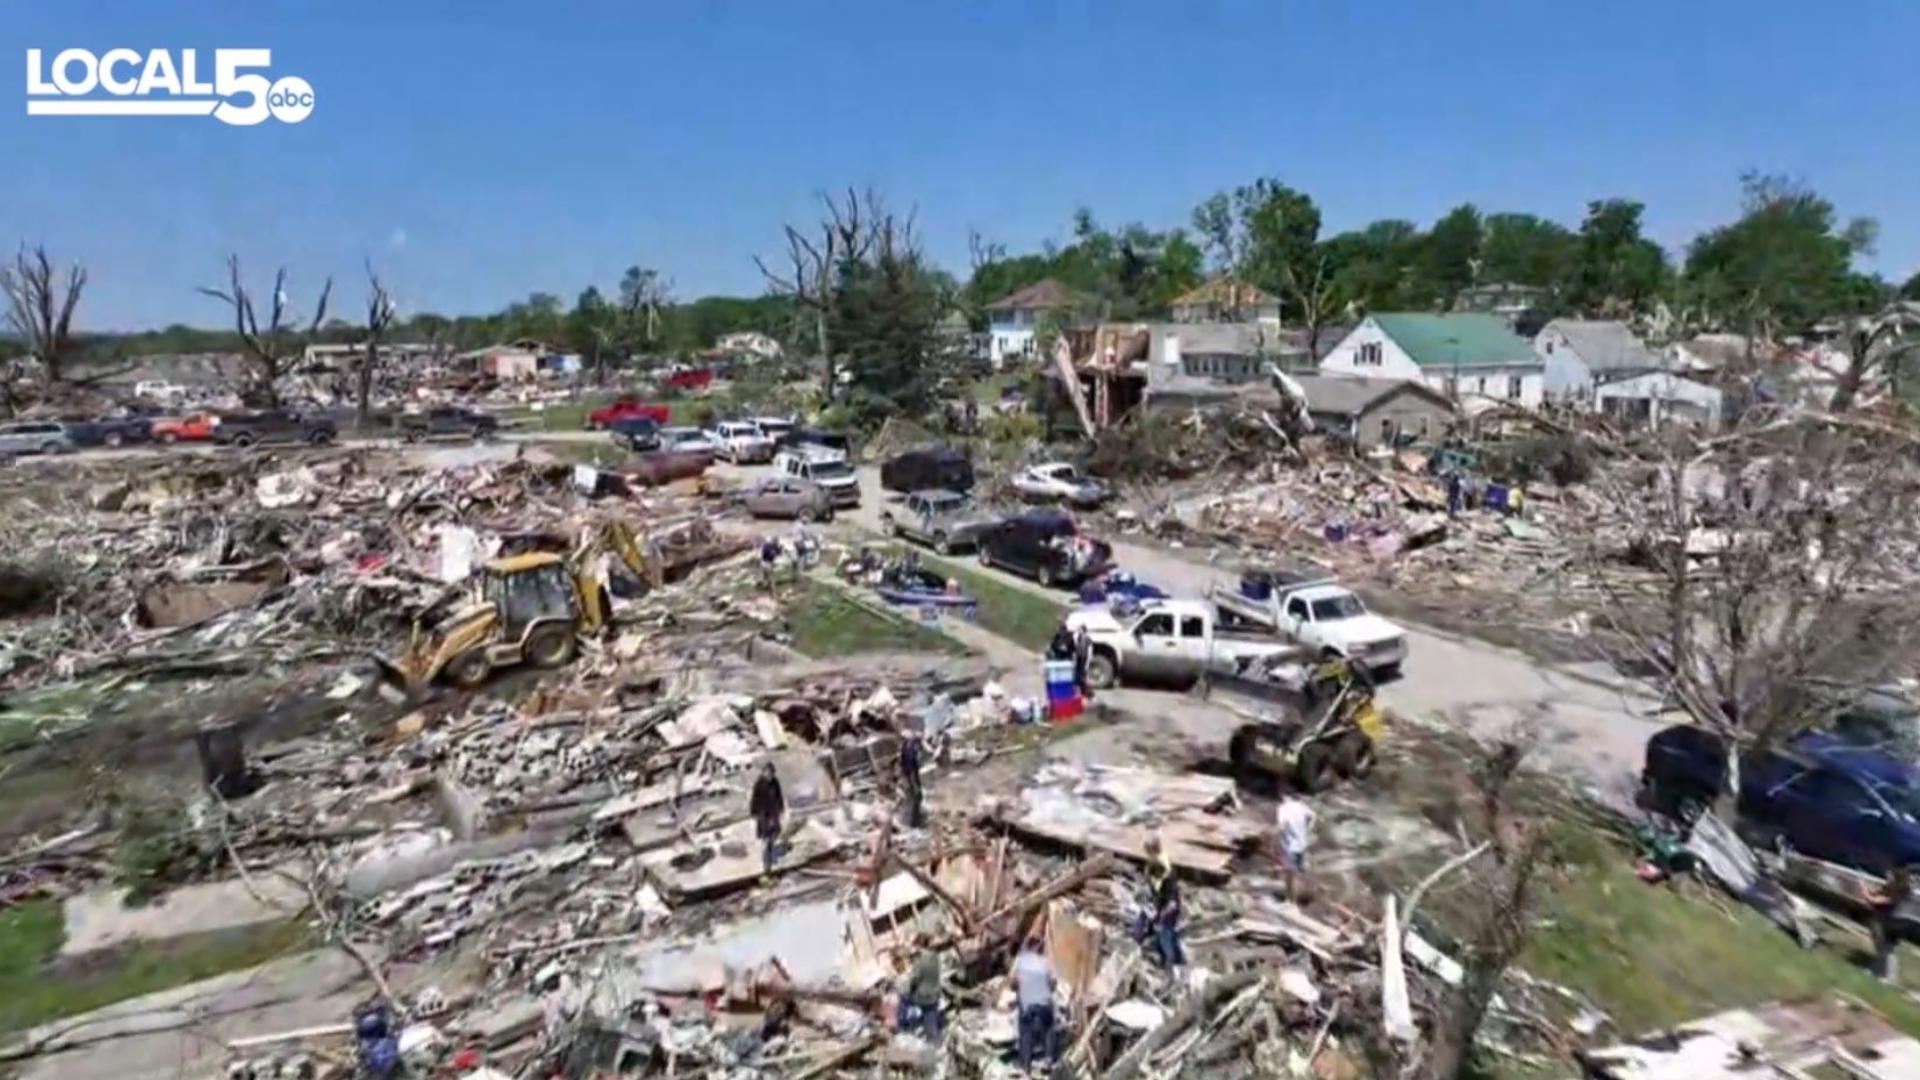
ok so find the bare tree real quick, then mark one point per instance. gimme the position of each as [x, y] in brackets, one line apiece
[816, 258]
[1875, 346]
[40, 308]
[264, 349]
[644, 296]
[1317, 294]
[379, 317]
[1782, 553]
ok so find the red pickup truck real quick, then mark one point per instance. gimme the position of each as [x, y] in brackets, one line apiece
[607, 416]
[691, 379]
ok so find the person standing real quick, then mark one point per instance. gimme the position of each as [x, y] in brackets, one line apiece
[920, 997]
[910, 788]
[1295, 819]
[1163, 889]
[1082, 652]
[1033, 988]
[768, 805]
[1456, 493]
[1884, 900]
[1060, 646]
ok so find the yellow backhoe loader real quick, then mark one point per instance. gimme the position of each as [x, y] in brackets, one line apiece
[524, 609]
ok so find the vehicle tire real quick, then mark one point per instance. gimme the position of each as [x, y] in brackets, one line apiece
[415, 435]
[1313, 772]
[50, 448]
[1353, 755]
[551, 646]
[243, 441]
[892, 525]
[468, 670]
[168, 438]
[942, 544]
[1044, 575]
[1102, 672]
[985, 556]
[808, 514]
[114, 438]
[320, 438]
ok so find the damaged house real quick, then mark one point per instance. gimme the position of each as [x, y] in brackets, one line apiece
[1470, 357]
[1375, 412]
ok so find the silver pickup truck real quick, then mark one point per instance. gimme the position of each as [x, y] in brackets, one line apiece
[1165, 641]
[944, 520]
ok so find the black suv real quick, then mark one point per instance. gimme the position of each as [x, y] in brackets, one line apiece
[1046, 546]
[274, 426]
[448, 420]
[926, 468]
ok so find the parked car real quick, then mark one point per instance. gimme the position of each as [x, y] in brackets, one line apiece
[945, 520]
[688, 440]
[1058, 481]
[774, 428]
[158, 390]
[827, 469]
[34, 437]
[627, 408]
[638, 433]
[1168, 641]
[194, 427]
[1047, 546]
[109, 430]
[1817, 795]
[789, 497]
[741, 442]
[831, 440]
[927, 467]
[273, 426]
[691, 379]
[448, 420]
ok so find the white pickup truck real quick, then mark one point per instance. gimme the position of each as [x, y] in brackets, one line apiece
[1168, 641]
[1317, 613]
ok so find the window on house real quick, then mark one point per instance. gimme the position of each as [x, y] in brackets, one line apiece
[1549, 348]
[1369, 354]
[1513, 387]
[1422, 429]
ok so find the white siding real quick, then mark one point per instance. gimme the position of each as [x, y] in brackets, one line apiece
[1567, 376]
[1347, 357]
[1499, 385]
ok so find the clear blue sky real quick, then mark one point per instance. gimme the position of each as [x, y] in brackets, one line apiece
[483, 150]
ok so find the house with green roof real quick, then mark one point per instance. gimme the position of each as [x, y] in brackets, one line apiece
[1473, 358]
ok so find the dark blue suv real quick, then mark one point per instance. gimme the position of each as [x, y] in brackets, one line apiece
[1819, 794]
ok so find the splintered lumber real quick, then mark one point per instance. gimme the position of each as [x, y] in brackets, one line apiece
[1060, 886]
[842, 1056]
[1127, 842]
[1197, 1007]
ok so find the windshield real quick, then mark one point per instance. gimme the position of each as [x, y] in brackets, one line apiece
[947, 506]
[1337, 607]
[831, 470]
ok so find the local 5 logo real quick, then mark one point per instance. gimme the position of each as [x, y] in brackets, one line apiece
[159, 82]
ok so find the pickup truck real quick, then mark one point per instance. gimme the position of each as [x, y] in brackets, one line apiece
[1046, 546]
[245, 429]
[627, 408]
[109, 430]
[1169, 641]
[1319, 614]
[444, 421]
[944, 520]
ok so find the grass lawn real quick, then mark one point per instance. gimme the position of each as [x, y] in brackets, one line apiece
[1016, 614]
[36, 987]
[825, 622]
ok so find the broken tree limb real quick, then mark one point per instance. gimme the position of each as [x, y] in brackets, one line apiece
[1198, 1007]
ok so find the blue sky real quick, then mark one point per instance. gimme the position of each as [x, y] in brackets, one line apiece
[483, 150]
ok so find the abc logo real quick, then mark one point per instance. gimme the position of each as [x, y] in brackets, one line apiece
[291, 100]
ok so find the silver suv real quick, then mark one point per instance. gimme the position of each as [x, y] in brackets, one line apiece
[34, 437]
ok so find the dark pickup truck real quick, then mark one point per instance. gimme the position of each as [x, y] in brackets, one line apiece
[109, 430]
[447, 422]
[1046, 546]
[273, 426]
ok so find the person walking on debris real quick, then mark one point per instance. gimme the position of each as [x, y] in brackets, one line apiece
[920, 993]
[910, 789]
[769, 558]
[1082, 652]
[1456, 493]
[1885, 900]
[1295, 819]
[1163, 887]
[1033, 987]
[767, 805]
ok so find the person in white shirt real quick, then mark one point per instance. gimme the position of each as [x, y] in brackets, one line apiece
[1295, 819]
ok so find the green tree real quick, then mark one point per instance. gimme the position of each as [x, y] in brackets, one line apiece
[1450, 256]
[1377, 266]
[1617, 271]
[1911, 290]
[593, 330]
[1527, 250]
[539, 316]
[1783, 266]
[1267, 235]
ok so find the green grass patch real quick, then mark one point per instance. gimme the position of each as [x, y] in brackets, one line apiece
[826, 622]
[36, 986]
[1019, 615]
[604, 455]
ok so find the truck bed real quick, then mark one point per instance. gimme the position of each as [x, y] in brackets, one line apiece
[1258, 613]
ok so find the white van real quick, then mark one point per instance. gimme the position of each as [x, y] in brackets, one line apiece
[826, 468]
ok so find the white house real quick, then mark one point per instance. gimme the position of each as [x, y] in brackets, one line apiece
[1469, 356]
[1657, 398]
[1579, 353]
[748, 343]
[1012, 319]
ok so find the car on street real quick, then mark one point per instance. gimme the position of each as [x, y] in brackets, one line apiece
[946, 521]
[741, 442]
[924, 468]
[627, 408]
[1817, 794]
[824, 468]
[788, 497]
[263, 426]
[193, 427]
[1047, 546]
[1318, 612]
[1059, 481]
[688, 440]
[34, 437]
[109, 430]
[638, 433]
[448, 421]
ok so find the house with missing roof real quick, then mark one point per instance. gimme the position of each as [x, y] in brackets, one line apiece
[1375, 412]
[1225, 299]
[1013, 319]
[1470, 357]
